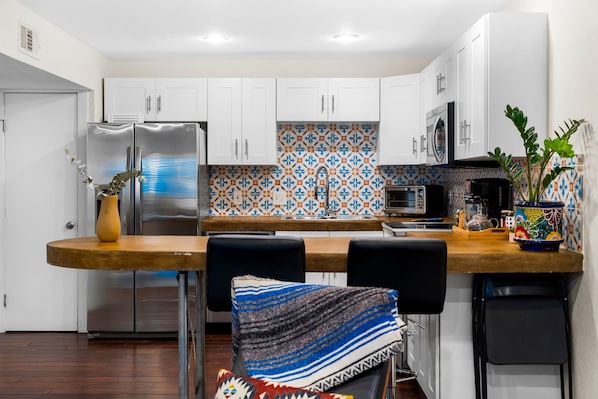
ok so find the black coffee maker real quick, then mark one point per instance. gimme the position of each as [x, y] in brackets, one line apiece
[495, 193]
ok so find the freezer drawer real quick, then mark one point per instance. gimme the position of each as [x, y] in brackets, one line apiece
[156, 301]
[110, 301]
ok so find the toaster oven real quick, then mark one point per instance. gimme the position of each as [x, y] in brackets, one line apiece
[424, 200]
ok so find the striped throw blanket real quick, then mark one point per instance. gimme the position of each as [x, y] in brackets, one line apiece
[312, 336]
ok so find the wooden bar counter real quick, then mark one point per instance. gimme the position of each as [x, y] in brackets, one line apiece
[322, 254]
[186, 254]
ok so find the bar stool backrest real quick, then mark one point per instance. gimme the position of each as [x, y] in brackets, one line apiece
[230, 255]
[415, 267]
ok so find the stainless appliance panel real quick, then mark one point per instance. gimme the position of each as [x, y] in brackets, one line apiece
[110, 295]
[156, 301]
[165, 204]
[168, 158]
[110, 301]
[437, 126]
[173, 200]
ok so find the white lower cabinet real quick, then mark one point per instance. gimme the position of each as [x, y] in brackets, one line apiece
[338, 279]
[423, 352]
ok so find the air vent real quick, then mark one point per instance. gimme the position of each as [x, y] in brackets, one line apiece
[126, 118]
[28, 41]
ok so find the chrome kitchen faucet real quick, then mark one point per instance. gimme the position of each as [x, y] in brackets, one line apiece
[326, 189]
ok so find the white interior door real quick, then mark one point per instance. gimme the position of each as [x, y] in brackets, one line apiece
[40, 193]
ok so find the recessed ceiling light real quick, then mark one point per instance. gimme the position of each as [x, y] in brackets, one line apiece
[215, 38]
[346, 37]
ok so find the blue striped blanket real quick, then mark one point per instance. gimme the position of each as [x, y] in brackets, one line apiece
[312, 336]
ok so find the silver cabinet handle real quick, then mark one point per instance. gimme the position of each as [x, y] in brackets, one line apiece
[322, 104]
[246, 149]
[159, 104]
[149, 104]
[463, 126]
[414, 147]
[236, 148]
[333, 103]
[70, 225]
[422, 143]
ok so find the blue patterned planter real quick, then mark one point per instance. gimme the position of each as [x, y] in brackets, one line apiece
[538, 225]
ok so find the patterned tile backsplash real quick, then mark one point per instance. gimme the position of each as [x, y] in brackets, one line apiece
[356, 183]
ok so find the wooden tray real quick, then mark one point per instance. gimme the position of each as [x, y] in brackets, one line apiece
[494, 233]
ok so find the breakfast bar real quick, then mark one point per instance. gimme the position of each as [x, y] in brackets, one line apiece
[186, 254]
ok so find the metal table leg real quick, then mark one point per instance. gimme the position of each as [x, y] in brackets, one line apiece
[183, 335]
[200, 333]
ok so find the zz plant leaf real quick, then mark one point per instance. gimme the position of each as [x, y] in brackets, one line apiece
[536, 156]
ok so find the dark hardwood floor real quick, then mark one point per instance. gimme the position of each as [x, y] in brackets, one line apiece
[71, 366]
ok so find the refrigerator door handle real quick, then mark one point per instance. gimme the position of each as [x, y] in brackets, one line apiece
[137, 193]
[129, 200]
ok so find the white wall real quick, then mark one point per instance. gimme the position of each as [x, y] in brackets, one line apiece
[268, 67]
[573, 93]
[60, 54]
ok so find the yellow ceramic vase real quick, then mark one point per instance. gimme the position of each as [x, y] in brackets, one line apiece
[108, 223]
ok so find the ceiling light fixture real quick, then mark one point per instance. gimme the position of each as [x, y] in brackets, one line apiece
[215, 38]
[346, 37]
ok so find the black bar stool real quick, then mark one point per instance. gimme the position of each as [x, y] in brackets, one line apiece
[520, 319]
[415, 267]
[230, 255]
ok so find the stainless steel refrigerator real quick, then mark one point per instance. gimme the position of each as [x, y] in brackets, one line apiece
[172, 200]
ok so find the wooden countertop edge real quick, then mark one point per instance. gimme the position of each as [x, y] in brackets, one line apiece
[154, 253]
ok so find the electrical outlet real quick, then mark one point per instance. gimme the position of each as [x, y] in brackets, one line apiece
[237, 197]
[279, 197]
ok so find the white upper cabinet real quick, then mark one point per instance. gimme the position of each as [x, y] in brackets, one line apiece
[438, 82]
[501, 60]
[181, 99]
[334, 99]
[401, 134]
[302, 100]
[129, 99]
[354, 99]
[241, 121]
[1, 106]
[149, 99]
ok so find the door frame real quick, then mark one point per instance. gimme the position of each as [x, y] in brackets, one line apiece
[83, 111]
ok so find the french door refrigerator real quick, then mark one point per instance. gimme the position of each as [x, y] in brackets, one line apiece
[172, 200]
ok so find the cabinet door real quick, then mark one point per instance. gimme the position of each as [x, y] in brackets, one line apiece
[181, 99]
[428, 89]
[259, 121]
[476, 132]
[429, 349]
[319, 278]
[129, 99]
[302, 100]
[354, 99]
[462, 94]
[224, 121]
[401, 121]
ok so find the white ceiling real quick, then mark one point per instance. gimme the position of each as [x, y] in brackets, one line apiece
[129, 29]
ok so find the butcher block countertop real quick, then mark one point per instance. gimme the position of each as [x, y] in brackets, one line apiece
[323, 254]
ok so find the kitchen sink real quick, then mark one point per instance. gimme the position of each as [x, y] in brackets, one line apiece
[328, 217]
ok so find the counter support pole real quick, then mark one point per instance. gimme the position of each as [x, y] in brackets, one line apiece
[200, 333]
[183, 335]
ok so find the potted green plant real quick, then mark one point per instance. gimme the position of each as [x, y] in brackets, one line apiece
[108, 222]
[538, 223]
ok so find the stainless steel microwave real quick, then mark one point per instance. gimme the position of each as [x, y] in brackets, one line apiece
[425, 200]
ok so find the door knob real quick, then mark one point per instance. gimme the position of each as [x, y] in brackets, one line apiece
[69, 225]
